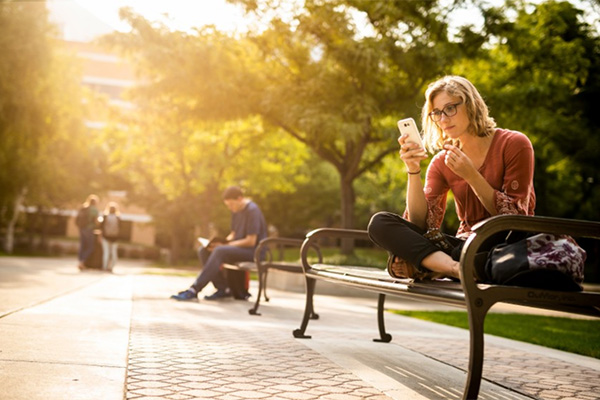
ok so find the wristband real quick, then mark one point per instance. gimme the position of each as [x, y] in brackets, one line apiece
[414, 173]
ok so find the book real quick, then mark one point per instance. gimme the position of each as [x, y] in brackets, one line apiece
[204, 242]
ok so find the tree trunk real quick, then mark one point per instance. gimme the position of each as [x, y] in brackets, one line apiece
[347, 219]
[9, 239]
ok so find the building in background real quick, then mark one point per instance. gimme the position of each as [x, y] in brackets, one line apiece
[107, 74]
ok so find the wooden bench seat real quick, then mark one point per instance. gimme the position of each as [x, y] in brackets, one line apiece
[477, 298]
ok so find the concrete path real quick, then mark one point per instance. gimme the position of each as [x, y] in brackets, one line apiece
[71, 335]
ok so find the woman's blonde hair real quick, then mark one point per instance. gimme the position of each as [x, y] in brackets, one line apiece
[481, 124]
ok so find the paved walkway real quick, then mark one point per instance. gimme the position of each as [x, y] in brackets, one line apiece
[71, 335]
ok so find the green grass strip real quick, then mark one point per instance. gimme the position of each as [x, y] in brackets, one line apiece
[579, 336]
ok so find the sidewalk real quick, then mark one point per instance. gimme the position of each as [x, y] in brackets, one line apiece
[71, 335]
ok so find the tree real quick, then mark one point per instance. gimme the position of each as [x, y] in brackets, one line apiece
[542, 77]
[349, 89]
[40, 116]
[177, 159]
[337, 90]
[314, 77]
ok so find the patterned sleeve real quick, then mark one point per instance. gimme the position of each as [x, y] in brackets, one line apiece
[515, 196]
[436, 191]
[436, 208]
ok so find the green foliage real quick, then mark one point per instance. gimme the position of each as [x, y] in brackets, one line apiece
[541, 77]
[312, 76]
[580, 336]
[311, 204]
[189, 139]
[179, 165]
[301, 111]
[338, 91]
[41, 127]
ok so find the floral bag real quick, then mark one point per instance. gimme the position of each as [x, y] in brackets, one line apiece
[543, 261]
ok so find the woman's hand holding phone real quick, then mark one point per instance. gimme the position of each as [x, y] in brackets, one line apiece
[411, 153]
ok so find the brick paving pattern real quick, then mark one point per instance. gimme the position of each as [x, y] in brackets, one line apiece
[219, 359]
[95, 336]
[216, 357]
[536, 376]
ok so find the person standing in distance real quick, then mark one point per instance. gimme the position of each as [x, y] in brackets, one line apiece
[86, 222]
[248, 228]
[110, 225]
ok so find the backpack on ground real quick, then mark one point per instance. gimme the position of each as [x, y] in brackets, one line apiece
[110, 226]
[83, 217]
[238, 282]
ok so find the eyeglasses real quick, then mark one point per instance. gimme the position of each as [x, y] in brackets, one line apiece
[449, 111]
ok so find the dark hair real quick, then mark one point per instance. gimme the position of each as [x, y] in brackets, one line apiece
[91, 200]
[232, 193]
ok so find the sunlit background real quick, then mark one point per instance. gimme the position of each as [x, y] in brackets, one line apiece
[84, 20]
[297, 102]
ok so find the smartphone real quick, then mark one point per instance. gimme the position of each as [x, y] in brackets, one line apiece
[409, 126]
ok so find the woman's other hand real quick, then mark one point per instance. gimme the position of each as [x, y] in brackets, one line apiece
[458, 162]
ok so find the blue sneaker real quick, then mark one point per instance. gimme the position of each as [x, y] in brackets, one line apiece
[186, 295]
[219, 294]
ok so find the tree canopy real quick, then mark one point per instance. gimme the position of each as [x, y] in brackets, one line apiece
[41, 126]
[301, 109]
[541, 78]
[338, 88]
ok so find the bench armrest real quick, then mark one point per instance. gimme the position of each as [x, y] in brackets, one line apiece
[264, 248]
[313, 237]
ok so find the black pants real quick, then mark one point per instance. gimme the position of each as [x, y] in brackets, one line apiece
[404, 239]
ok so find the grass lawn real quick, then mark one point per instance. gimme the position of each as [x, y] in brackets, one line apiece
[580, 336]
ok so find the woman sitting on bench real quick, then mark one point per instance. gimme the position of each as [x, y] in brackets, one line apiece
[488, 169]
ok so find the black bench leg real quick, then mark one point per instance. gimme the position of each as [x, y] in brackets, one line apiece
[308, 310]
[474, 374]
[383, 335]
[261, 288]
[313, 314]
[264, 282]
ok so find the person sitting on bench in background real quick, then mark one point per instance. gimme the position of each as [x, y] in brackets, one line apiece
[248, 228]
[489, 170]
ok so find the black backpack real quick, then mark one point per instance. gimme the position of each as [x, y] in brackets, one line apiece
[83, 217]
[238, 283]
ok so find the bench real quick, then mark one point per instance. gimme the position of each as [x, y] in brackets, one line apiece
[265, 261]
[477, 298]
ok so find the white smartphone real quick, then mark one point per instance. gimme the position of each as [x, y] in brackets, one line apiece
[408, 126]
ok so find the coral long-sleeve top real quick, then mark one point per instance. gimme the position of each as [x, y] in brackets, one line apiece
[508, 167]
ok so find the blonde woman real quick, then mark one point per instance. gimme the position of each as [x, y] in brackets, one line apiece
[488, 169]
[110, 225]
